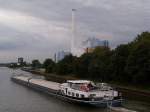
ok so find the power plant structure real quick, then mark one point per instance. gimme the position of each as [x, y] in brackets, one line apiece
[91, 43]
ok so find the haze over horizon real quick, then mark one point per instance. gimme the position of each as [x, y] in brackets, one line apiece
[36, 29]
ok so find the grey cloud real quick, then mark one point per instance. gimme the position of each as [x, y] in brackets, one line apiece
[119, 21]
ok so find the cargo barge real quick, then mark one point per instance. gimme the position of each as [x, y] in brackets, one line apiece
[75, 91]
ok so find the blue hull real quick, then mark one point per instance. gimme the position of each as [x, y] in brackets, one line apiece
[113, 103]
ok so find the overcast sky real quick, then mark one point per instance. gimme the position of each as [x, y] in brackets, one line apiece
[39, 28]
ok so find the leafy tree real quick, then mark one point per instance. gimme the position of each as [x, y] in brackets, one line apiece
[145, 36]
[138, 63]
[98, 67]
[49, 65]
[36, 63]
[118, 61]
[81, 65]
[65, 66]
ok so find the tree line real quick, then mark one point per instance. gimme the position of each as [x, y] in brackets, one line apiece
[127, 63]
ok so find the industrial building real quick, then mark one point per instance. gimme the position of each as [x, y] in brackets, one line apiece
[91, 43]
[60, 55]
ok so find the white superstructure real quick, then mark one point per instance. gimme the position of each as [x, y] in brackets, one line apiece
[87, 89]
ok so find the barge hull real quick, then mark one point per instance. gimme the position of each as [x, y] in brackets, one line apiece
[57, 94]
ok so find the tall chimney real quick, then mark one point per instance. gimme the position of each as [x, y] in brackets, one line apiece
[73, 31]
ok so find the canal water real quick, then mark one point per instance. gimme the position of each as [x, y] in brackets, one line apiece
[17, 98]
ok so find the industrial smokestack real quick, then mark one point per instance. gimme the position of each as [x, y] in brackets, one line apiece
[73, 31]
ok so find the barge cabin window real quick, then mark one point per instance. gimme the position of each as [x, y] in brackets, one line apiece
[77, 95]
[69, 93]
[63, 92]
[72, 94]
[82, 96]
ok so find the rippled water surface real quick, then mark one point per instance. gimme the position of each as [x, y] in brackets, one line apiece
[17, 98]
